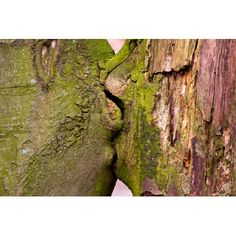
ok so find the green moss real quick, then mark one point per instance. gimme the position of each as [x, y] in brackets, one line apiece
[92, 51]
[129, 174]
[98, 49]
[17, 92]
[119, 58]
[106, 180]
[75, 155]
[148, 145]
[162, 173]
[139, 151]
[174, 183]
[8, 162]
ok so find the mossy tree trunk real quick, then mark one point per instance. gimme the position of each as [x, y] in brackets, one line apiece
[55, 128]
[178, 136]
[159, 115]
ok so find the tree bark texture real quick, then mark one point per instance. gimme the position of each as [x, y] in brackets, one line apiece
[159, 115]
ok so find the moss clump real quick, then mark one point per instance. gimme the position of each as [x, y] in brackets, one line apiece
[162, 173]
[119, 58]
[148, 145]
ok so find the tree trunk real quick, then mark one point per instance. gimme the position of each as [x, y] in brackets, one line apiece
[159, 115]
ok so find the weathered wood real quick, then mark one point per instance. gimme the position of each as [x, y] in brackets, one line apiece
[179, 125]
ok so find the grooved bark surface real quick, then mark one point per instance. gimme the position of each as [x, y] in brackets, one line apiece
[55, 128]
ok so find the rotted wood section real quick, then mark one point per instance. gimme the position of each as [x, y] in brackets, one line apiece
[185, 90]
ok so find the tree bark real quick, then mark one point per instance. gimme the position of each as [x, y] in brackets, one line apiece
[55, 126]
[159, 115]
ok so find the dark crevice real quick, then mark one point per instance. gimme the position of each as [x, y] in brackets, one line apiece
[194, 51]
[149, 194]
[113, 164]
[117, 101]
[172, 73]
[120, 104]
[172, 116]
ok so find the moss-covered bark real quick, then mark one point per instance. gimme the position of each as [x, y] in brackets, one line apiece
[179, 124]
[159, 115]
[55, 128]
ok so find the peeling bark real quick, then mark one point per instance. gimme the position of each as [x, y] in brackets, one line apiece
[185, 88]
